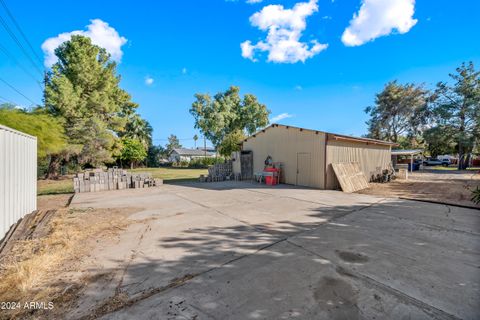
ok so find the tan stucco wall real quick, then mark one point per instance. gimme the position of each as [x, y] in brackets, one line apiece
[283, 144]
[372, 158]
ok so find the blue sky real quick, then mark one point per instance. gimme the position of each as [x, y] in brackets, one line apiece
[194, 46]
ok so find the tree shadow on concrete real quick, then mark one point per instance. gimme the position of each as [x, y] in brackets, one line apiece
[141, 286]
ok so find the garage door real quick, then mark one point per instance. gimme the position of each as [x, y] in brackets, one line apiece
[303, 169]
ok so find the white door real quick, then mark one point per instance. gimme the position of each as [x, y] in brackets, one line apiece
[303, 169]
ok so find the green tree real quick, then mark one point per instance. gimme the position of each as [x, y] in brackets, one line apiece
[439, 140]
[173, 143]
[231, 143]
[51, 139]
[138, 128]
[133, 151]
[50, 135]
[456, 109]
[399, 110]
[154, 154]
[82, 90]
[226, 113]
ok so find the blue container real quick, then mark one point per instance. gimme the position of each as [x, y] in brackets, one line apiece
[416, 166]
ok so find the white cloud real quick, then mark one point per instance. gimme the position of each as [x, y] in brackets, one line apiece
[378, 18]
[298, 88]
[284, 29]
[99, 31]
[184, 71]
[280, 117]
[149, 80]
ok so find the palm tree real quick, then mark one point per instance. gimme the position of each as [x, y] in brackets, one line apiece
[140, 129]
[195, 138]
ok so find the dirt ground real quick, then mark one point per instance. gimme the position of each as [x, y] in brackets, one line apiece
[450, 187]
[54, 201]
[46, 264]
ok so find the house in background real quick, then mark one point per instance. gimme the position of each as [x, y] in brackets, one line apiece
[183, 154]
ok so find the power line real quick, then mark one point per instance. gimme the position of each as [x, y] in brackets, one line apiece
[11, 57]
[20, 30]
[17, 91]
[14, 37]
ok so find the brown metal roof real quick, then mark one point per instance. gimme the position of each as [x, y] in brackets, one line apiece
[331, 136]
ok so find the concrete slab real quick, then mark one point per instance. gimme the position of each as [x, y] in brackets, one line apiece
[246, 251]
[281, 282]
[437, 266]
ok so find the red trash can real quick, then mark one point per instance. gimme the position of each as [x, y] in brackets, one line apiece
[271, 180]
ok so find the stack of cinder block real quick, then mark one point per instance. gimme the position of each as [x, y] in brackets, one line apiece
[113, 179]
[219, 172]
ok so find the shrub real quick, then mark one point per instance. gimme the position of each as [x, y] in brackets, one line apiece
[205, 162]
[476, 195]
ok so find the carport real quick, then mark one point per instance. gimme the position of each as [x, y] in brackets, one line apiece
[406, 153]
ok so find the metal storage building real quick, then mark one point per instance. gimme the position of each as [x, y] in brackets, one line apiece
[18, 176]
[306, 155]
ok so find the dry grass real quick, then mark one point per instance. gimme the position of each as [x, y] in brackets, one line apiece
[44, 269]
[449, 187]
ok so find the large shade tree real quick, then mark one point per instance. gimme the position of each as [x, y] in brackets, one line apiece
[82, 90]
[399, 111]
[456, 110]
[227, 113]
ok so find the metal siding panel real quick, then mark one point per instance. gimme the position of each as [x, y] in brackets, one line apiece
[18, 166]
[283, 145]
[371, 158]
[3, 219]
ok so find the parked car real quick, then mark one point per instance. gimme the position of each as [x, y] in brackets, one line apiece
[436, 162]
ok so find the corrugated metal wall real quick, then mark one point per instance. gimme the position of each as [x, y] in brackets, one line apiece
[283, 144]
[372, 158]
[18, 176]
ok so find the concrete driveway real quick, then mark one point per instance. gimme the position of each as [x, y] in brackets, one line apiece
[244, 251]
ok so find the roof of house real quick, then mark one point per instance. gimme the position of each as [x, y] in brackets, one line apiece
[192, 152]
[399, 152]
[331, 136]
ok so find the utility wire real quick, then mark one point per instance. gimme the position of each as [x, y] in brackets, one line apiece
[20, 45]
[11, 57]
[20, 30]
[18, 91]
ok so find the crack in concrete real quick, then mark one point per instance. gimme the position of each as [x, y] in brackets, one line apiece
[176, 283]
[429, 226]
[431, 310]
[130, 260]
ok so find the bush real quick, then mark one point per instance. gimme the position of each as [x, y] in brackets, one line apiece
[205, 162]
[476, 196]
